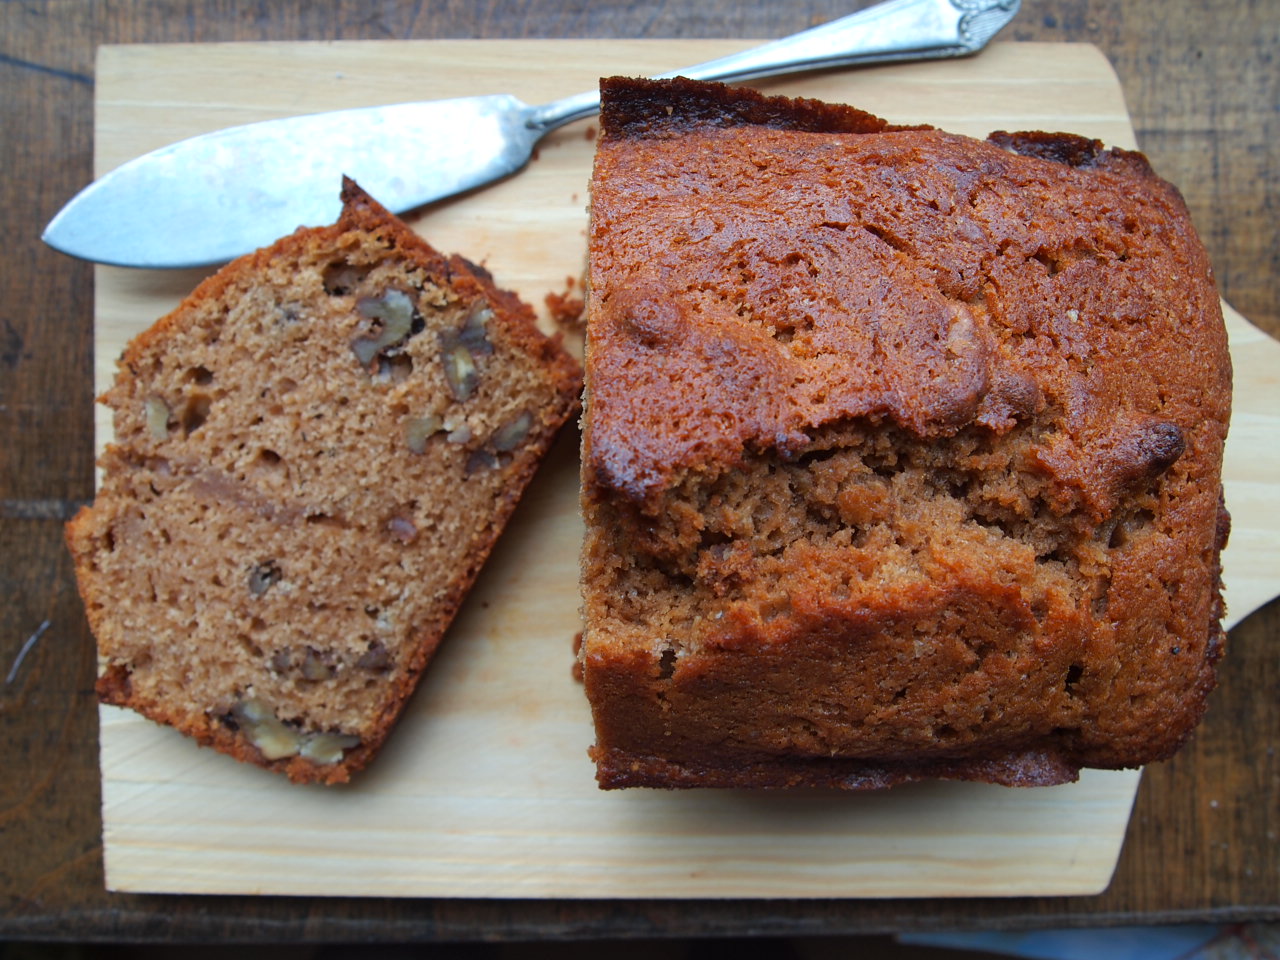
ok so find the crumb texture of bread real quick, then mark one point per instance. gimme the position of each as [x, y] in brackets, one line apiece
[902, 450]
[313, 456]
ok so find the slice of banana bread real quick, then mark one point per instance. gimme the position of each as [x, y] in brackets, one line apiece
[313, 457]
[902, 450]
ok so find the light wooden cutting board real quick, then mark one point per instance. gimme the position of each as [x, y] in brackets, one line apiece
[485, 790]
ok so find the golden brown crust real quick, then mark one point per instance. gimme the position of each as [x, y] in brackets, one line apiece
[773, 392]
[668, 107]
[902, 449]
[315, 454]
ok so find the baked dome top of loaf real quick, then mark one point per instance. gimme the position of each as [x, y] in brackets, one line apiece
[764, 268]
[902, 450]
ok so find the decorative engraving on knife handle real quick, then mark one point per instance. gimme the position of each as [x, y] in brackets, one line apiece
[983, 19]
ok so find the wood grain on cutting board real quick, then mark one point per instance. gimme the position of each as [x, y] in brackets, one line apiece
[485, 790]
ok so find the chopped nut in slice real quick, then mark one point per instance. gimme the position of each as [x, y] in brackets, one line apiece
[460, 434]
[314, 666]
[276, 740]
[395, 310]
[460, 371]
[402, 528]
[474, 334]
[264, 730]
[417, 430]
[328, 747]
[157, 417]
[376, 658]
[481, 460]
[512, 433]
[263, 577]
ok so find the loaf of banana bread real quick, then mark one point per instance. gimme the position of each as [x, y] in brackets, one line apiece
[313, 457]
[902, 450]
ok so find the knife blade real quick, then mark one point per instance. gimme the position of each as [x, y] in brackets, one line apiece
[213, 197]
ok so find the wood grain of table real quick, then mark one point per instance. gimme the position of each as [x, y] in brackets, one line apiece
[1204, 841]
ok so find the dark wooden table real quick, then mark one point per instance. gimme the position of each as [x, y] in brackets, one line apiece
[1203, 86]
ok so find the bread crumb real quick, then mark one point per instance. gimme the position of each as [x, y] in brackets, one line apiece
[567, 310]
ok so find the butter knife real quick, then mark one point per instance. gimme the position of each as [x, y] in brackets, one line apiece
[211, 198]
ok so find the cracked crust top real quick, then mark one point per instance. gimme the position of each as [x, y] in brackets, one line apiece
[844, 269]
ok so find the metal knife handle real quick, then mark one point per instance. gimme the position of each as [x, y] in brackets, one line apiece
[894, 30]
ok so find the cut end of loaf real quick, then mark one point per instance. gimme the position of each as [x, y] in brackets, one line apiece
[314, 455]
